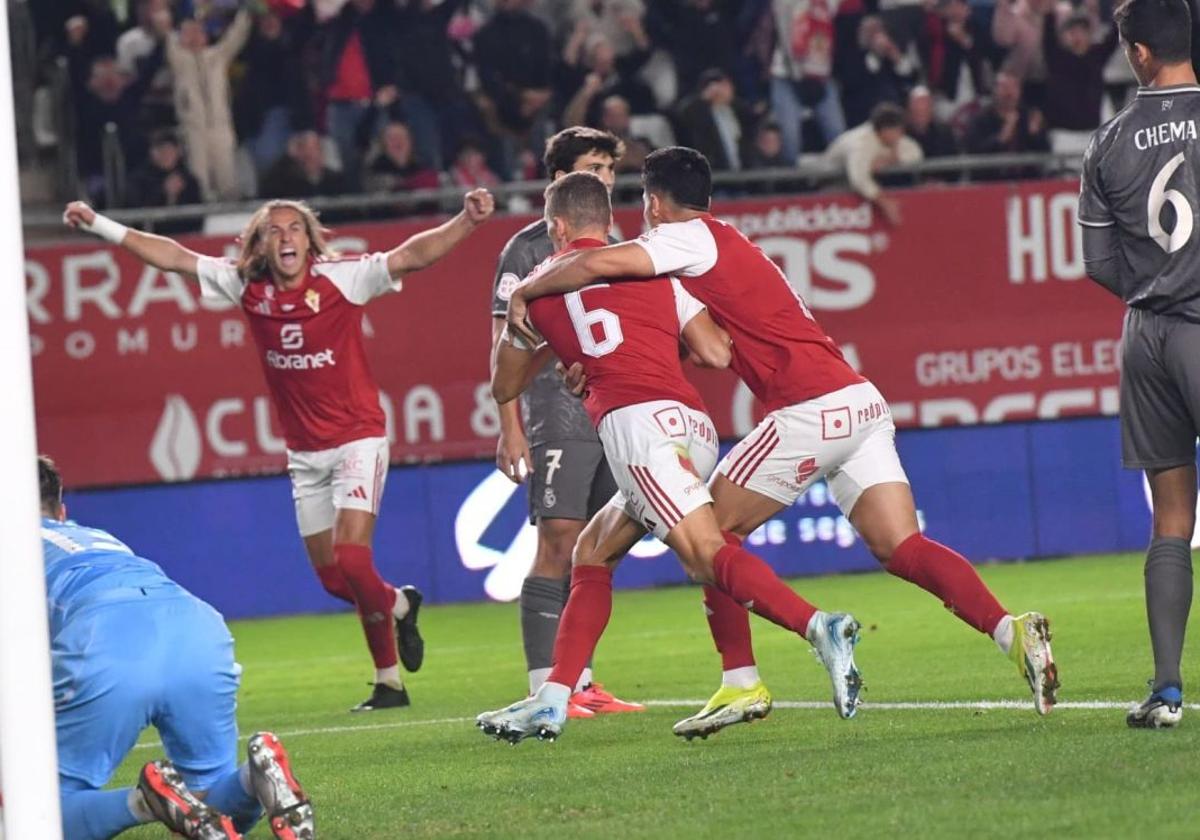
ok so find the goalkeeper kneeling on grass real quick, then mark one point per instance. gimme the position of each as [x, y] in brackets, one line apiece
[129, 648]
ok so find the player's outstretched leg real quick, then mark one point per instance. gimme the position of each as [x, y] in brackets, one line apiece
[885, 516]
[166, 796]
[710, 556]
[742, 696]
[1163, 709]
[288, 808]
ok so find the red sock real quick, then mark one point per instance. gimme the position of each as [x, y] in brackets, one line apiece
[582, 623]
[947, 574]
[729, 623]
[750, 581]
[374, 599]
[335, 582]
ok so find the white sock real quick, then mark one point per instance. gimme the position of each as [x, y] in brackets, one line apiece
[556, 693]
[1003, 634]
[389, 676]
[138, 807]
[536, 677]
[585, 679]
[400, 608]
[745, 677]
[818, 616]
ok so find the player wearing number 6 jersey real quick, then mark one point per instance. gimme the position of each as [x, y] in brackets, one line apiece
[304, 305]
[1137, 206]
[661, 447]
[823, 419]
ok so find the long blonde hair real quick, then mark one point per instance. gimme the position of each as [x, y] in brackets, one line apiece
[252, 262]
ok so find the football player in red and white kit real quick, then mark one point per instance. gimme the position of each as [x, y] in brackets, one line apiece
[304, 305]
[823, 419]
[661, 447]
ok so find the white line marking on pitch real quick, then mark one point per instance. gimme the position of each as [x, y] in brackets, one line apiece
[962, 705]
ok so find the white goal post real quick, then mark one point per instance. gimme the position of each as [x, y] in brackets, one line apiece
[28, 760]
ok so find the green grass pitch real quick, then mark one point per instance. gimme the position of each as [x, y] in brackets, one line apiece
[925, 772]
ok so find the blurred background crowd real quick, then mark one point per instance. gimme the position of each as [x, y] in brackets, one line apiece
[211, 100]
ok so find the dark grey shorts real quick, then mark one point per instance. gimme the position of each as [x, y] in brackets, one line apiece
[570, 480]
[1160, 390]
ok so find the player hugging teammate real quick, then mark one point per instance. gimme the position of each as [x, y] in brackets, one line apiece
[548, 439]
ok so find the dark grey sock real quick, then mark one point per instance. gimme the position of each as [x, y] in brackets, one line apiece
[1168, 601]
[542, 601]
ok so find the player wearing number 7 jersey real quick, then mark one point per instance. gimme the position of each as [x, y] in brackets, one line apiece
[661, 447]
[823, 419]
[1137, 206]
[304, 306]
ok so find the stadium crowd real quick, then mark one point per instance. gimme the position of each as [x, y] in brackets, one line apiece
[221, 99]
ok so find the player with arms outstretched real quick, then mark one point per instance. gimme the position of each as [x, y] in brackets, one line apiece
[304, 305]
[547, 437]
[823, 419]
[661, 446]
[1142, 162]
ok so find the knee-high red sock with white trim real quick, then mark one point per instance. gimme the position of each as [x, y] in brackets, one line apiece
[334, 581]
[729, 623]
[374, 599]
[947, 574]
[751, 582]
[582, 624]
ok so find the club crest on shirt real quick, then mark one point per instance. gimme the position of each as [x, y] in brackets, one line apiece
[312, 299]
[507, 285]
[549, 499]
[269, 292]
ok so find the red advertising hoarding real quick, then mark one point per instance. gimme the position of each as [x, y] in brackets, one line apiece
[975, 309]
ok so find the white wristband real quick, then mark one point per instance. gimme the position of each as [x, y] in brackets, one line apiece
[106, 229]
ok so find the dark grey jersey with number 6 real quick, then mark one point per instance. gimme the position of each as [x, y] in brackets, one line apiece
[1139, 199]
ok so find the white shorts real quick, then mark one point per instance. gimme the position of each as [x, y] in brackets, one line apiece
[846, 436]
[350, 476]
[661, 454]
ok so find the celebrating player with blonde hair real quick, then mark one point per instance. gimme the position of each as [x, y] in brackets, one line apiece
[304, 307]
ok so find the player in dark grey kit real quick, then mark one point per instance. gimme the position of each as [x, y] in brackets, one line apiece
[1138, 207]
[550, 439]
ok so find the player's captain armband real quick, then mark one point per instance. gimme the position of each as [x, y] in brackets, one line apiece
[106, 229]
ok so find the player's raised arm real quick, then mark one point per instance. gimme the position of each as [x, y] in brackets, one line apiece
[427, 247]
[514, 366]
[161, 252]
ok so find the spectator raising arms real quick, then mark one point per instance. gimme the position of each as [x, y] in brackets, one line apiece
[202, 101]
[1074, 79]
[1006, 125]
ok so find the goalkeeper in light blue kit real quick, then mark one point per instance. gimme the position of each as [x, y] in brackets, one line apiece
[131, 648]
